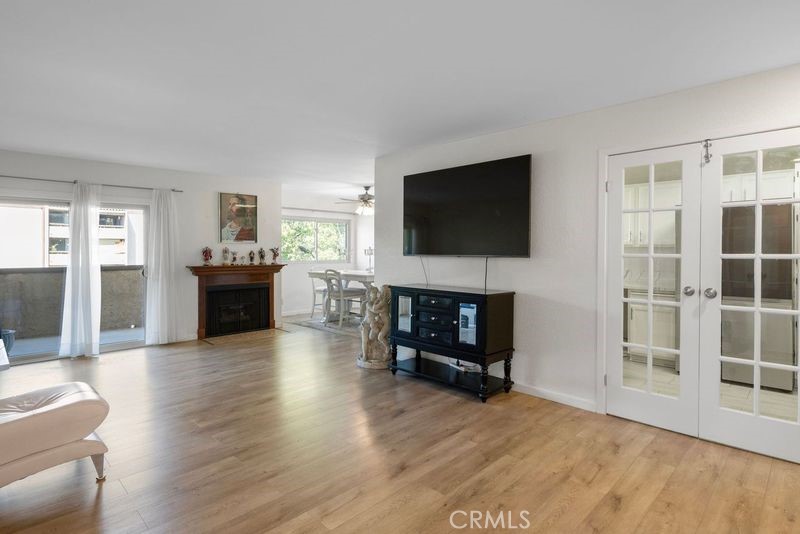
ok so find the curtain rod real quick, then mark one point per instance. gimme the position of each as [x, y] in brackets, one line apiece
[321, 211]
[76, 181]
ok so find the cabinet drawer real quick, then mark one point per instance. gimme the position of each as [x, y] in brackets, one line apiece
[440, 319]
[437, 336]
[435, 301]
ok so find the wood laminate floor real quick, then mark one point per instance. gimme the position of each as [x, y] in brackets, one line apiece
[281, 432]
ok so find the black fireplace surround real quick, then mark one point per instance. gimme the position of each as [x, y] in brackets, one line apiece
[236, 308]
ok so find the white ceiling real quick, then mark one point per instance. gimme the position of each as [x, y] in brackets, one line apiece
[311, 91]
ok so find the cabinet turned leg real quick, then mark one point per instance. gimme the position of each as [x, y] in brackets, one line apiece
[507, 383]
[394, 358]
[483, 394]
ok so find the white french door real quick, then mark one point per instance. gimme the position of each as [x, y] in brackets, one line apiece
[749, 305]
[703, 297]
[653, 252]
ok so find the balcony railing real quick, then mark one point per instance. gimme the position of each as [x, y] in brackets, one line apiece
[31, 304]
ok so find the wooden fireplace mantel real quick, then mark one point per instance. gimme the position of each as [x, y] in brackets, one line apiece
[218, 275]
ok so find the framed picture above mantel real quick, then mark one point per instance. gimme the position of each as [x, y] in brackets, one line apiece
[238, 218]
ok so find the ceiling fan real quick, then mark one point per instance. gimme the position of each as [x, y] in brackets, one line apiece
[366, 202]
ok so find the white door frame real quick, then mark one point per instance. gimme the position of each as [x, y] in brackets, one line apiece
[603, 154]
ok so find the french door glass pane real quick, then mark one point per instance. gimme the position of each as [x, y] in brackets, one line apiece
[666, 278]
[737, 334]
[778, 179]
[636, 276]
[638, 323]
[736, 389]
[666, 377]
[777, 284]
[777, 338]
[776, 233]
[667, 232]
[778, 395]
[667, 190]
[739, 230]
[637, 188]
[737, 282]
[739, 177]
[634, 368]
[666, 327]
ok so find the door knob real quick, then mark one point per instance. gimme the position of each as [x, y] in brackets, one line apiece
[688, 291]
[710, 292]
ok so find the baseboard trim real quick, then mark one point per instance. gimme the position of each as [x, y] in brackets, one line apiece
[298, 312]
[555, 396]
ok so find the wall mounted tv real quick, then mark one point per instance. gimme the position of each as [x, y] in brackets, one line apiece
[481, 209]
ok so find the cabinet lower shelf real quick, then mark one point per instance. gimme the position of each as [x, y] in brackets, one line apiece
[441, 372]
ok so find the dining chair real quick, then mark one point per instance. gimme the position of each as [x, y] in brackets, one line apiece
[322, 291]
[343, 296]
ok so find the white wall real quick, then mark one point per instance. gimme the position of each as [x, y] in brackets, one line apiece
[556, 303]
[365, 232]
[197, 207]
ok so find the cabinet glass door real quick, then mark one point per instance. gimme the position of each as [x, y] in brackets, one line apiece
[467, 326]
[404, 314]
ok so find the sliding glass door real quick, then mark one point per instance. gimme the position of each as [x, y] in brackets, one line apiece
[33, 259]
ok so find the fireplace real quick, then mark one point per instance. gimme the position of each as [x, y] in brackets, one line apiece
[236, 308]
[234, 298]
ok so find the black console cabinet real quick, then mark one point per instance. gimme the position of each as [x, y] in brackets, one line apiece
[470, 325]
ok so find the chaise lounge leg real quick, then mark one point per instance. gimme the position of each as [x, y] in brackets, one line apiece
[99, 460]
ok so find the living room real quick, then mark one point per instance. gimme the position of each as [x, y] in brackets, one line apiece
[311, 267]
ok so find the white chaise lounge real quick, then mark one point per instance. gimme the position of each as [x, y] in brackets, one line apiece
[51, 426]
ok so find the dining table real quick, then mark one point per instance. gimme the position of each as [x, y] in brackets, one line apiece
[366, 278]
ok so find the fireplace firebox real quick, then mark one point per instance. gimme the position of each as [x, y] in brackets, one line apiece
[236, 308]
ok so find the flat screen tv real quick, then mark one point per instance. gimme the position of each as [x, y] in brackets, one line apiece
[481, 209]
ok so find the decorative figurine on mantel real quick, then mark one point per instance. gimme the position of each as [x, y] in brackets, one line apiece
[252, 256]
[276, 251]
[226, 256]
[234, 257]
[207, 255]
[262, 256]
[375, 330]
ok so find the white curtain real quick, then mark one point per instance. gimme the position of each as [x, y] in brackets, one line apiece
[161, 270]
[80, 325]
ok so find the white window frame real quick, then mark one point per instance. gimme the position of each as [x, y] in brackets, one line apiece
[316, 221]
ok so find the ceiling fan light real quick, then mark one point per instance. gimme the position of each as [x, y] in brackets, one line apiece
[365, 209]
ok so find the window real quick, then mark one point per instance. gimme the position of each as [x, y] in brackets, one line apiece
[320, 240]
